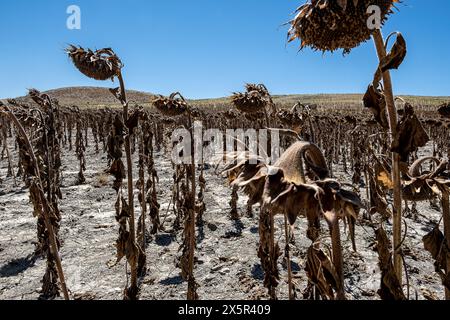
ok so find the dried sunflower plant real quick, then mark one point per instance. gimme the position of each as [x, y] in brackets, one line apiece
[342, 24]
[41, 164]
[254, 100]
[102, 65]
[297, 184]
[175, 106]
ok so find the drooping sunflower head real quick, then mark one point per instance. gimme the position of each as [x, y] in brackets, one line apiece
[172, 106]
[253, 101]
[329, 25]
[102, 64]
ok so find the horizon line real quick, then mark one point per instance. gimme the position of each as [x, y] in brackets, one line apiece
[222, 97]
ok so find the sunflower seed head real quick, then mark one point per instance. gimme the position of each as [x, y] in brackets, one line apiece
[171, 106]
[253, 101]
[336, 24]
[102, 64]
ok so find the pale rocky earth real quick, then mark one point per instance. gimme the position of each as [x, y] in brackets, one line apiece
[227, 263]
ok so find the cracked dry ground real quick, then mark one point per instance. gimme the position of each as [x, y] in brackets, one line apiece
[227, 266]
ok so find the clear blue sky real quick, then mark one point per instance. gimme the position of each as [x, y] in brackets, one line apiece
[209, 48]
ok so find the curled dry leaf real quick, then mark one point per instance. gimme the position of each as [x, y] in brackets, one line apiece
[435, 243]
[425, 186]
[395, 57]
[116, 93]
[133, 120]
[117, 170]
[410, 134]
[375, 101]
[38, 97]
[385, 180]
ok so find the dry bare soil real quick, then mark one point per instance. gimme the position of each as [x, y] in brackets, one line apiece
[227, 266]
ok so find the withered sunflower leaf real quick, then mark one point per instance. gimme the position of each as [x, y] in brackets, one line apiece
[410, 134]
[396, 56]
[375, 101]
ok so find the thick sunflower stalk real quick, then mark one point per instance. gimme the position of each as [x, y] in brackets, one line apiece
[234, 214]
[393, 125]
[49, 157]
[269, 252]
[177, 195]
[140, 185]
[69, 128]
[189, 236]
[153, 180]
[200, 207]
[80, 147]
[94, 120]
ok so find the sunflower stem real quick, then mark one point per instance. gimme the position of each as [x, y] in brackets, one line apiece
[288, 258]
[392, 116]
[133, 286]
[446, 218]
[192, 290]
[338, 261]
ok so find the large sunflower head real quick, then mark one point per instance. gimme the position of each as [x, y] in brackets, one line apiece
[329, 25]
[102, 64]
[254, 100]
[172, 106]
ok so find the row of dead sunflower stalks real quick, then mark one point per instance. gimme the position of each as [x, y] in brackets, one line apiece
[355, 142]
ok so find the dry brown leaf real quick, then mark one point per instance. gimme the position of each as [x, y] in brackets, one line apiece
[390, 288]
[396, 56]
[375, 101]
[410, 134]
[385, 180]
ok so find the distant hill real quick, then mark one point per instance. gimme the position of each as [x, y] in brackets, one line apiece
[95, 97]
